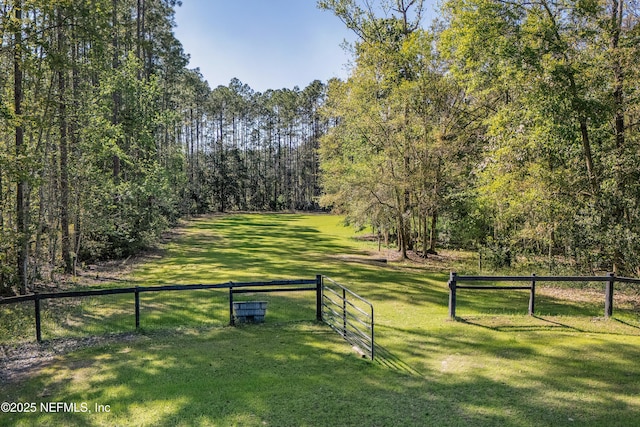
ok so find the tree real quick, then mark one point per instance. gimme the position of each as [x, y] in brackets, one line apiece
[70, 156]
[106, 137]
[556, 73]
[401, 132]
[22, 225]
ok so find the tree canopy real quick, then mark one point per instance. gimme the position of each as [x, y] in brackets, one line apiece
[512, 124]
[505, 126]
[106, 137]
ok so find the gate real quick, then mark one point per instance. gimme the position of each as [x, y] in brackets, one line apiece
[349, 315]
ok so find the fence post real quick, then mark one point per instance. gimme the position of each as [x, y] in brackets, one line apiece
[36, 301]
[319, 298]
[532, 297]
[452, 295]
[137, 304]
[231, 321]
[608, 295]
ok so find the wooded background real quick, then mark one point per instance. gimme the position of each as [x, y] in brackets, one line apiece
[106, 138]
[505, 126]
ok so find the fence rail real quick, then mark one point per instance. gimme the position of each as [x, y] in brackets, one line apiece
[454, 279]
[355, 323]
[349, 315]
[234, 287]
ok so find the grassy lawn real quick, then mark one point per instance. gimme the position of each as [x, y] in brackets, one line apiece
[495, 366]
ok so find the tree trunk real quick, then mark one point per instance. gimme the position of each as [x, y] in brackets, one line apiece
[73, 130]
[64, 155]
[116, 94]
[4, 288]
[433, 235]
[619, 123]
[425, 250]
[402, 228]
[21, 207]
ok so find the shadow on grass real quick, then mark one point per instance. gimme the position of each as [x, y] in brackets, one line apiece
[582, 325]
[430, 371]
[240, 246]
[545, 325]
[303, 374]
[164, 311]
[512, 302]
[389, 360]
[234, 376]
[626, 323]
[265, 247]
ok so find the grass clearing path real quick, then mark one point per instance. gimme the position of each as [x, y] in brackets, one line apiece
[496, 367]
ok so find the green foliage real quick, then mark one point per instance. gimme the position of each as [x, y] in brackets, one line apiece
[401, 143]
[558, 133]
[512, 121]
[496, 255]
[130, 208]
[127, 216]
[101, 168]
[262, 153]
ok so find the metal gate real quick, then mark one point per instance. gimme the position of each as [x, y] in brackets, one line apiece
[349, 315]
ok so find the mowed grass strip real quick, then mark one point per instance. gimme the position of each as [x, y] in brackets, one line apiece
[496, 366]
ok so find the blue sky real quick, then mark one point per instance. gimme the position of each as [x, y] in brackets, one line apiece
[268, 44]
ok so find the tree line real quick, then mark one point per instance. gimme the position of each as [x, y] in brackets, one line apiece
[507, 126]
[504, 126]
[106, 137]
[255, 151]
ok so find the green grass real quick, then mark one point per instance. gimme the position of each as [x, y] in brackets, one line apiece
[495, 366]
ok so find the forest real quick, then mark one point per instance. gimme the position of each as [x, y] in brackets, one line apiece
[106, 138]
[503, 126]
[506, 126]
